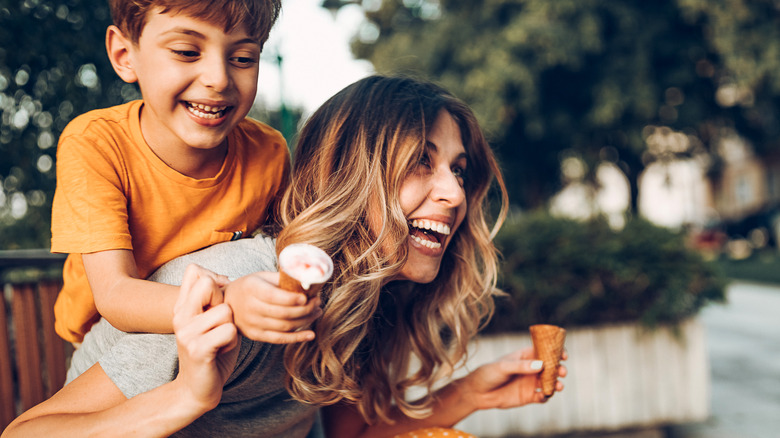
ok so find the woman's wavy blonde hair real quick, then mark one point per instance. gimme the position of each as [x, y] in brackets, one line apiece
[377, 338]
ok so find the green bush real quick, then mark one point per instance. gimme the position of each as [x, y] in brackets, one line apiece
[581, 273]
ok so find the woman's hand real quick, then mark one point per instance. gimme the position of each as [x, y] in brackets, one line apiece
[264, 312]
[511, 381]
[205, 335]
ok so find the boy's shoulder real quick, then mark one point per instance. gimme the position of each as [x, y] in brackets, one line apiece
[123, 114]
[252, 127]
[255, 134]
[110, 130]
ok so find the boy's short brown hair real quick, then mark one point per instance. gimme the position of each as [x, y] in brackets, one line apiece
[257, 15]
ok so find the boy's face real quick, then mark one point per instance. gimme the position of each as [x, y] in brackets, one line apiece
[197, 81]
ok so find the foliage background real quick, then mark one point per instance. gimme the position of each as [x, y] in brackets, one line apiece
[578, 273]
[50, 71]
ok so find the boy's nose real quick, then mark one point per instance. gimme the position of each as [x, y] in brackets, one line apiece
[215, 74]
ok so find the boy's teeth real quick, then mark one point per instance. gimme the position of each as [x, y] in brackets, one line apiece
[207, 108]
[206, 111]
[426, 224]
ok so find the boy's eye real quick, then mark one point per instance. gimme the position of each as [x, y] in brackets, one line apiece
[244, 61]
[186, 54]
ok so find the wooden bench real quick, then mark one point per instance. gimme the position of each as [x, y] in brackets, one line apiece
[33, 359]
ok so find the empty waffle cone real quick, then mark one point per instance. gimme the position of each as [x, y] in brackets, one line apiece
[548, 344]
[304, 268]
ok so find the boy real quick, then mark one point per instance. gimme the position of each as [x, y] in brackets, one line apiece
[145, 182]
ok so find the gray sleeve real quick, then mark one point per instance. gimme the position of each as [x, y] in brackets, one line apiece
[232, 259]
[137, 363]
[141, 362]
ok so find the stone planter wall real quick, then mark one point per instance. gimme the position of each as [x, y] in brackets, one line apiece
[619, 377]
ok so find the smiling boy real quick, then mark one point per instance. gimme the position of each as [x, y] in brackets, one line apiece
[142, 183]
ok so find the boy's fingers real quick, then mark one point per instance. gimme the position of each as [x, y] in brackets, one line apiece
[274, 337]
[294, 313]
[266, 286]
[279, 324]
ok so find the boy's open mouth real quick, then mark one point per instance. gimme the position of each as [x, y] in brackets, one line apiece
[430, 234]
[206, 111]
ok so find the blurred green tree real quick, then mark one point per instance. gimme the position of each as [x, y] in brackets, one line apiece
[53, 67]
[746, 36]
[589, 78]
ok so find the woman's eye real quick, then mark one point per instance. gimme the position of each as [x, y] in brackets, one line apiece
[459, 173]
[424, 160]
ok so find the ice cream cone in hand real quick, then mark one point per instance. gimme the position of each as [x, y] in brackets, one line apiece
[548, 345]
[304, 268]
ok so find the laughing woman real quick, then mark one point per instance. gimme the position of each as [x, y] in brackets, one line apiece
[391, 178]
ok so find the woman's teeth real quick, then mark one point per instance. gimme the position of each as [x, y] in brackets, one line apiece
[427, 243]
[425, 224]
[206, 111]
[430, 233]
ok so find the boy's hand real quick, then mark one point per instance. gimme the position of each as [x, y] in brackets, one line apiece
[264, 312]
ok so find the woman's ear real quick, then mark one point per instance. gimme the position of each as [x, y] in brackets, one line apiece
[119, 47]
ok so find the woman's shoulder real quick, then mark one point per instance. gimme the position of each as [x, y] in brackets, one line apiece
[233, 259]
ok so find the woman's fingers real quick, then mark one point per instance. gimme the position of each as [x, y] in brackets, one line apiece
[198, 291]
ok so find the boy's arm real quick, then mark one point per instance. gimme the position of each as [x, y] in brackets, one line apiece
[127, 301]
[262, 311]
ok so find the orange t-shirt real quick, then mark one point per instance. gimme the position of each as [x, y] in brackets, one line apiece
[113, 192]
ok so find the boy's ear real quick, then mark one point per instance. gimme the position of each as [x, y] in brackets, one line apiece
[118, 47]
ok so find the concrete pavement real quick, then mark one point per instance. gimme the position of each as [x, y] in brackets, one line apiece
[743, 339]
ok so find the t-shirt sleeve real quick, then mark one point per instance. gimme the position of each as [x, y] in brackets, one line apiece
[141, 362]
[89, 211]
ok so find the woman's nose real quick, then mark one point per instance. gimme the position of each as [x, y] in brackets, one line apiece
[448, 188]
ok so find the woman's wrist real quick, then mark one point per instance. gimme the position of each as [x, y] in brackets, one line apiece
[458, 400]
[185, 404]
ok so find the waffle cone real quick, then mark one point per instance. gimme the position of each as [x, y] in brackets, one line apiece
[289, 283]
[304, 268]
[548, 344]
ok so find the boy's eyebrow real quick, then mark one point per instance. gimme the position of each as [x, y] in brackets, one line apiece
[185, 31]
[196, 34]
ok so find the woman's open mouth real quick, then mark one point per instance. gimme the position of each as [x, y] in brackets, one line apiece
[428, 233]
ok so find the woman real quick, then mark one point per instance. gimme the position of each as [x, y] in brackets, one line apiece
[391, 178]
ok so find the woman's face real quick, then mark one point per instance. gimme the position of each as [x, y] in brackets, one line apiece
[433, 200]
